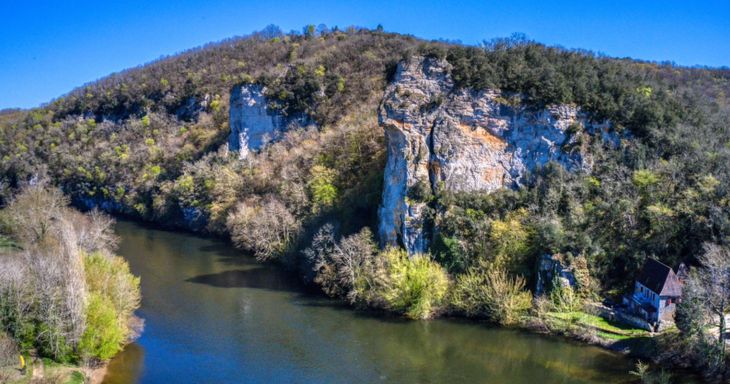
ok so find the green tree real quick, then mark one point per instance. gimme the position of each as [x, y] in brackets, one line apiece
[321, 185]
[104, 335]
[415, 286]
[490, 292]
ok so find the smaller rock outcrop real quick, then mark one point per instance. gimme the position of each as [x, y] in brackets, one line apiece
[192, 107]
[552, 269]
[252, 122]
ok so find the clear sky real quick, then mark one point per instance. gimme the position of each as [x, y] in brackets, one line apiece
[48, 48]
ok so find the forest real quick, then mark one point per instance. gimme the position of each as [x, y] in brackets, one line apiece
[149, 143]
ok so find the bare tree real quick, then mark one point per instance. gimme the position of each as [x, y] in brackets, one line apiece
[338, 265]
[263, 226]
[94, 231]
[32, 212]
[705, 302]
[714, 278]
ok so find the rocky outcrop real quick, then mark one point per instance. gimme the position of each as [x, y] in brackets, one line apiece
[252, 122]
[192, 107]
[443, 137]
[550, 270]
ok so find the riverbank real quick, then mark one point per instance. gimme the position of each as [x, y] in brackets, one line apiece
[577, 327]
[214, 314]
[47, 371]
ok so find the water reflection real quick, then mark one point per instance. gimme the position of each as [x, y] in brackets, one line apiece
[214, 316]
[127, 367]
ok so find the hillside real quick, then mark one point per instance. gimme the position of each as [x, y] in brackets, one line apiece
[149, 143]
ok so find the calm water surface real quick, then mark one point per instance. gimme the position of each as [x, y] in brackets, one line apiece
[214, 316]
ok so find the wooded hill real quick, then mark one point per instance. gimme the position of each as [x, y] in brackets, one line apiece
[147, 143]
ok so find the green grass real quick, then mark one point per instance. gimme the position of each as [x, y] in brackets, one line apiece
[76, 378]
[7, 243]
[605, 329]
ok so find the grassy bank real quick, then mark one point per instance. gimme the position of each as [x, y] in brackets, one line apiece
[47, 371]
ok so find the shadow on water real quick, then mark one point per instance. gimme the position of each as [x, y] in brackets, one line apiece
[259, 278]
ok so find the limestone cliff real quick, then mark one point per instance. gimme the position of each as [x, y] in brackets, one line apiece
[442, 137]
[252, 122]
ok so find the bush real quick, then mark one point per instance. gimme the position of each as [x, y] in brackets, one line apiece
[415, 286]
[485, 291]
[564, 298]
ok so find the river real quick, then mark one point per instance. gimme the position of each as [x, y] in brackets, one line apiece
[215, 316]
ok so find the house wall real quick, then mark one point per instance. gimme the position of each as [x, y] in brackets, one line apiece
[666, 312]
[646, 295]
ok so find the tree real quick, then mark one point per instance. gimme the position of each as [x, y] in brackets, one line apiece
[62, 290]
[714, 277]
[338, 265]
[512, 240]
[264, 227]
[309, 30]
[489, 291]
[32, 213]
[705, 302]
[322, 188]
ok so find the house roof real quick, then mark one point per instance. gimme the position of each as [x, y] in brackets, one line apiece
[660, 278]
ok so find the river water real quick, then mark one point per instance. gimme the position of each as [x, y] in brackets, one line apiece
[215, 316]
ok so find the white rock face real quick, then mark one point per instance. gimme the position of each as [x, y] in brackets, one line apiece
[441, 137]
[252, 123]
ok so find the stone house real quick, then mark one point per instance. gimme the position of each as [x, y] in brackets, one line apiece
[657, 291]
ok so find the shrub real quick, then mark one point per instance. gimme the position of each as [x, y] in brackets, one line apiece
[564, 298]
[486, 291]
[415, 286]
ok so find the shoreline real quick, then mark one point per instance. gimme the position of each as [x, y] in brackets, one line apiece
[626, 347]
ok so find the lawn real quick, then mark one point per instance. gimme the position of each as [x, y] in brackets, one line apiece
[605, 329]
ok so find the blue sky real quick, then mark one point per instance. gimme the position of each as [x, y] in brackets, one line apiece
[48, 48]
